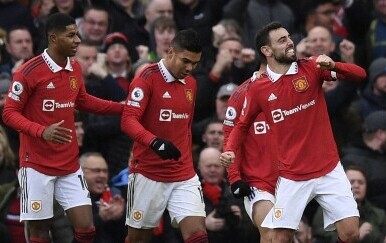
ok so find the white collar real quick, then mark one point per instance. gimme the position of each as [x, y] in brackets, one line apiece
[122, 74]
[275, 76]
[166, 74]
[53, 66]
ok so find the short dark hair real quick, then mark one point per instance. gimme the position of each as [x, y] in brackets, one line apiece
[262, 36]
[57, 22]
[187, 40]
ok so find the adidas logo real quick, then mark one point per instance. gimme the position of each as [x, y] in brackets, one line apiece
[166, 95]
[50, 86]
[272, 97]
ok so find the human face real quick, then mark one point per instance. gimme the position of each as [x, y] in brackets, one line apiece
[358, 184]
[325, 14]
[281, 46]
[380, 85]
[117, 54]
[79, 131]
[221, 107]
[95, 25]
[126, 3]
[214, 136]
[96, 174]
[320, 41]
[380, 7]
[163, 38]
[86, 56]
[64, 4]
[329, 85]
[210, 167]
[20, 45]
[158, 8]
[181, 62]
[67, 42]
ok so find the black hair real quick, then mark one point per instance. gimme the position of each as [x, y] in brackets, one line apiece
[17, 27]
[356, 168]
[262, 36]
[57, 22]
[187, 40]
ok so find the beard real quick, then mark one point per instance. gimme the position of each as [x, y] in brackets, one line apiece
[285, 59]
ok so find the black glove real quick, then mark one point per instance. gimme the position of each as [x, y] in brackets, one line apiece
[241, 189]
[165, 149]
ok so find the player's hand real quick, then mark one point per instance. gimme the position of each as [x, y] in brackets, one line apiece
[57, 134]
[227, 158]
[212, 223]
[242, 189]
[325, 62]
[347, 51]
[364, 230]
[165, 149]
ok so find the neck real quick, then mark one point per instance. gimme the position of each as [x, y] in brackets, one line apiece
[168, 67]
[58, 59]
[280, 68]
[117, 67]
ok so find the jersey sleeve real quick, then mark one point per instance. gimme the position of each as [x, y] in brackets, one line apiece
[249, 112]
[231, 118]
[140, 92]
[87, 102]
[17, 98]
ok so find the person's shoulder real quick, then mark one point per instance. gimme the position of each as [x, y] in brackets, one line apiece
[149, 71]
[31, 65]
[306, 60]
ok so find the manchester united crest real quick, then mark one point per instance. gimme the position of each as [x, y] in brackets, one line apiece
[300, 84]
[73, 83]
[189, 95]
[36, 205]
[137, 215]
[278, 212]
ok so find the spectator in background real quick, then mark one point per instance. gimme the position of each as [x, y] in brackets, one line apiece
[94, 25]
[8, 164]
[370, 154]
[162, 32]
[233, 64]
[108, 205]
[118, 62]
[19, 47]
[213, 136]
[222, 97]
[253, 14]
[376, 35]
[95, 75]
[373, 97]
[155, 9]
[223, 212]
[372, 224]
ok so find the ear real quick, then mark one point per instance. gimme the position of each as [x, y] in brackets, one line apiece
[266, 50]
[52, 38]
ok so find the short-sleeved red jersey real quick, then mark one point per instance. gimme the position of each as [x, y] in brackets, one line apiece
[295, 109]
[158, 105]
[255, 161]
[43, 93]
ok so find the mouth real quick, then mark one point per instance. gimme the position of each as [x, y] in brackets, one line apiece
[290, 51]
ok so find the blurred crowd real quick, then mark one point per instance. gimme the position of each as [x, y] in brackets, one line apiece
[120, 37]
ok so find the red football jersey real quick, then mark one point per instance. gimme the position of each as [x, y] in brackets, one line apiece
[43, 93]
[158, 105]
[255, 161]
[295, 109]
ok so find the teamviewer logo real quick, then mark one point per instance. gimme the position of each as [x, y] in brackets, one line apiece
[277, 115]
[48, 105]
[165, 115]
